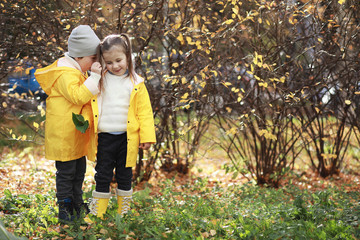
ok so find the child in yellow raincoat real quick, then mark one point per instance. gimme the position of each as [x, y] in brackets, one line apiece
[69, 91]
[124, 120]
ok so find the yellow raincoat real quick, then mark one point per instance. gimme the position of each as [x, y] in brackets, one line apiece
[66, 95]
[140, 125]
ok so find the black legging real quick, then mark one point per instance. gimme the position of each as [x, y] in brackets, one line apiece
[111, 154]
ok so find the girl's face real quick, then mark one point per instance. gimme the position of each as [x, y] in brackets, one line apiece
[115, 60]
[86, 62]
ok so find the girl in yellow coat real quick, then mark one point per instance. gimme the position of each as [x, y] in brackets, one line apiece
[124, 120]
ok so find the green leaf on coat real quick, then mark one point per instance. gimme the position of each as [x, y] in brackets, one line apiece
[80, 122]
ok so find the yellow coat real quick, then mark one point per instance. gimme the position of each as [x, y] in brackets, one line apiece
[66, 95]
[140, 125]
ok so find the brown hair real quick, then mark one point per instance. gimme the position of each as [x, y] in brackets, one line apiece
[122, 40]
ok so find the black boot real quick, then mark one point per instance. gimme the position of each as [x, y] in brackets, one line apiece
[66, 210]
[81, 210]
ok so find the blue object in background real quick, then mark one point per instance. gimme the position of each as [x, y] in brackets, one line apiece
[25, 82]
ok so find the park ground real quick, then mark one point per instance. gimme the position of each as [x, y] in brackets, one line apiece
[28, 172]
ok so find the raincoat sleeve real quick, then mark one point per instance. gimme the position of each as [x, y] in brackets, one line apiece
[74, 91]
[145, 117]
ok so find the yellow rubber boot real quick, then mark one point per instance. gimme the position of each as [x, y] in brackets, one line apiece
[98, 205]
[124, 199]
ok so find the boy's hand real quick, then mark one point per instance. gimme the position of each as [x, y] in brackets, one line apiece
[145, 146]
[96, 68]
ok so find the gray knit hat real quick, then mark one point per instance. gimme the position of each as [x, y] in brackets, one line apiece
[82, 42]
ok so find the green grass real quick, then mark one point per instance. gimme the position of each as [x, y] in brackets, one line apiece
[199, 211]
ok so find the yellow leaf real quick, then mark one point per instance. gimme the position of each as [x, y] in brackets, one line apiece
[23, 138]
[264, 84]
[226, 83]
[175, 65]
[185, 96]
[67, 26]
[180, 38]
[4, 104]
[233, 130]
[198, 44]
[341, 1]
[189, 40]
[255, 61]
[236, 10]
[36, 125]
[227, 22]
[347, 102]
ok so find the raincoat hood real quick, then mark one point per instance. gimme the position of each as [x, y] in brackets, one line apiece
[47, 76]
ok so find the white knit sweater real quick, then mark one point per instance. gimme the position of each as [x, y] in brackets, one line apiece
[114, 103]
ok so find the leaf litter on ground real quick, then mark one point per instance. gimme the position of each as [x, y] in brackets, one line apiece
[207, 188]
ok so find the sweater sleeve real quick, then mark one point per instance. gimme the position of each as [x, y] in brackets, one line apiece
[92, 83]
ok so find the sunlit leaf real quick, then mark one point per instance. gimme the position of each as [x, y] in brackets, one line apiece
[180, 38]
[263, 84]
[185, 96]
[232, 131]
[229, 21]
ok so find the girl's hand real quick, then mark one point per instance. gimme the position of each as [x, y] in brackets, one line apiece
[145, 146]
[96, 68]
